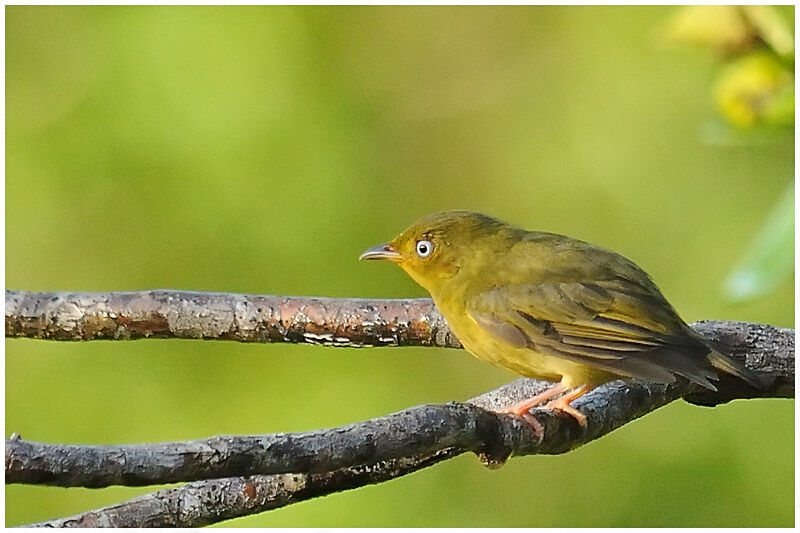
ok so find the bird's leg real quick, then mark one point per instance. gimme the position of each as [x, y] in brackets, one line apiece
[563, 404]
[522, 408]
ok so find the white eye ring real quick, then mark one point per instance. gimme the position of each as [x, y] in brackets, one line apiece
[424, 248]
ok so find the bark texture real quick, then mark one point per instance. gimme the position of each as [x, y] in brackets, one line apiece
[239, 317]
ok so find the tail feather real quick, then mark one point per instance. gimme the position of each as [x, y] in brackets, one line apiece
[731, 366]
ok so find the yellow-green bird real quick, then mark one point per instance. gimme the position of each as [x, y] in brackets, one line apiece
[551, 307]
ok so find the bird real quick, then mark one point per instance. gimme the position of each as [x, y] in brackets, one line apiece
[551, 307]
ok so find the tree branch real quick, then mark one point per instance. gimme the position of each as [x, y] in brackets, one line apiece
[248, 474]
[419, 431]
[208, 315]
[207, 502]
[493, 437]
[329, 321]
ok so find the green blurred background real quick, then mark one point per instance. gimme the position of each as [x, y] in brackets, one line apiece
[261, 149]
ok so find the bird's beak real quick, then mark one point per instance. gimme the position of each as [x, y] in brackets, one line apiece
[383, 252]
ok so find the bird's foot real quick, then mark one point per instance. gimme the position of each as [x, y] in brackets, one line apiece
[536, 426]
[522, 409]
[563, 404]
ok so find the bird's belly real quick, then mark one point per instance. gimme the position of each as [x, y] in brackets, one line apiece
[523, 361]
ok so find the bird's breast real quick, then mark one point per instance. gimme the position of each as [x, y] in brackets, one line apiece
[476, 340]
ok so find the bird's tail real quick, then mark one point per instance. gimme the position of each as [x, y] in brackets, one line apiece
[732, 366]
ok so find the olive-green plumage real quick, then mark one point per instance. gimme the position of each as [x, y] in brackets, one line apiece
[551, 307]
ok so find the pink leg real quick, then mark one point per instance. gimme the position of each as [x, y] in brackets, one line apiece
[522, 408]
[562, 404]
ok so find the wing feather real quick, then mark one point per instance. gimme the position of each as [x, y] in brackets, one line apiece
[614, 326]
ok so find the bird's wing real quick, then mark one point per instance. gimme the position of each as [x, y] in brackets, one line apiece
[613, 325]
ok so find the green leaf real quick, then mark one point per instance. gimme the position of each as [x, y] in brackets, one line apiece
[769, 259]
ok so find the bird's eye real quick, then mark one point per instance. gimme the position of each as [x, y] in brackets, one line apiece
[424, 248]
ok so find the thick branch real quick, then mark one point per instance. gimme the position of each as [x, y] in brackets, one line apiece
[329, 321]
[491, 436]
[238, 317]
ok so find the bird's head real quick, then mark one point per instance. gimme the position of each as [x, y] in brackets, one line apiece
[437, 247]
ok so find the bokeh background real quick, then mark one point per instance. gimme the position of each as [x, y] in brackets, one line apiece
[261, 149]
